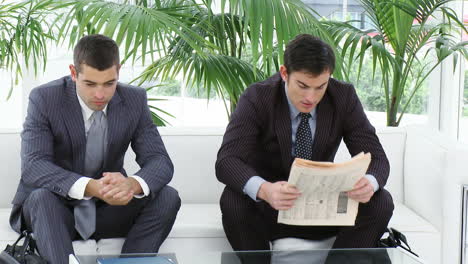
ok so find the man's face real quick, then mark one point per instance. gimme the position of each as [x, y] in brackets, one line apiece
[304, 89]
[95, 87]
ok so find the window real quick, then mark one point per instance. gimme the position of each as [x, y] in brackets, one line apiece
[371, 91]
[463, 116]
[189, 108]
[10, 106]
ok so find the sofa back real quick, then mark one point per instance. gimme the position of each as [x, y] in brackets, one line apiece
[194, 156]
[193, 153]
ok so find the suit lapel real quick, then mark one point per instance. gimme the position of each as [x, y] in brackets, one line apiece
[115, 113]
[73, 118]
[324, 121]
[283, 129]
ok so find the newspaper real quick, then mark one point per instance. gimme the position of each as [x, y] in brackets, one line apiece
[323, 185]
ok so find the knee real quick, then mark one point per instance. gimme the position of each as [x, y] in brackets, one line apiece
[235, 206]
[169, 198]
[382, 205]
[41, 197]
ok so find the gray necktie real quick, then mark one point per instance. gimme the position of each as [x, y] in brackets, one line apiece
[85, 210]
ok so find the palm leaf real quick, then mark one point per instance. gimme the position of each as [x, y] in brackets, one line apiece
[25, 32]
[223, 75]
[137, 26]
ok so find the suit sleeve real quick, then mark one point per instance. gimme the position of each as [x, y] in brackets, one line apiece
[360, 136]
[151, 155]
[38, 169]
[239, 143]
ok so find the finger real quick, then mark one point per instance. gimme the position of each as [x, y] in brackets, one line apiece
[114, 181]
[289, 189]
[362, 182]
[105, 189]
[288, 196]
[127, 198]
[360, 197]
[286, 204]
[111, 179]
[365, 189]
[282, 208]
[112, 192]
[367, 185]
[105, 179]
[121, 195]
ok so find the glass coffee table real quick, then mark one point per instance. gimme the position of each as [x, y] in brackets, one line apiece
[335, 256]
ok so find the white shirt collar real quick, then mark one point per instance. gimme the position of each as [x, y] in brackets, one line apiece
[87, 112]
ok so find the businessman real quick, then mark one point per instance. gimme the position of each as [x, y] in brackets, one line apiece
[299, 112]
[73, 184]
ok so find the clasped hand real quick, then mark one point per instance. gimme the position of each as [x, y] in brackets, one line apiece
[113, 188]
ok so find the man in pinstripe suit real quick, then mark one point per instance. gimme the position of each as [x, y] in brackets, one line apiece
[300, 111]
[57, 182]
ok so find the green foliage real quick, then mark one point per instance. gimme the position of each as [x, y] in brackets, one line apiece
[371, 94]
[219, 55]
[404, 34]
[167, 88]
[25, 29]
[245, 45]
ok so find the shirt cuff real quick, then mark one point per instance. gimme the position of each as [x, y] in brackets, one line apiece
[373, 181]
[252, 186]
[143, 185]
[78, 189]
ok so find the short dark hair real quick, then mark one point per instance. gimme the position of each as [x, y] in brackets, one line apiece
[310, 54]
[97, 51]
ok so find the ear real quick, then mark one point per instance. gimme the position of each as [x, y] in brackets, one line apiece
[284, 73]
[73, 72]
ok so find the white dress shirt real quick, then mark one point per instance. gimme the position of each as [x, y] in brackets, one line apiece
[78, 188]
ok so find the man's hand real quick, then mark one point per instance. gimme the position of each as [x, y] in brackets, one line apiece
[362, 192]
[117, 189]
[280, 195]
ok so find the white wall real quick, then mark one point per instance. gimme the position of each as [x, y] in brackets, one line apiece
[456, 177]
[426, 163]
[9, 166]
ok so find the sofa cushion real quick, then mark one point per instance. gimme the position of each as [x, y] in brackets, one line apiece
[204, 221]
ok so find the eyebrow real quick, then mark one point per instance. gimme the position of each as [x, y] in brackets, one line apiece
[89, 81]
[307, 86]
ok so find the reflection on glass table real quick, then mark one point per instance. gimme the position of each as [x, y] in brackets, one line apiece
[338, 256]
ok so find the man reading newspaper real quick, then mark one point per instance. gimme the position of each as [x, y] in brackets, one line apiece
[323, 187]
[299, 112]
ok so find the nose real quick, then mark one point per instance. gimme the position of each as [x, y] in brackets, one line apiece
[310, 96]
[99, 94]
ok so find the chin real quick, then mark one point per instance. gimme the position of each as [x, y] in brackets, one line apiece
[307, 110]
[97, 108]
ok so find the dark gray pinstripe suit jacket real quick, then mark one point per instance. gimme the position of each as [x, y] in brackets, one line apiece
[54, 143]
[258, 138]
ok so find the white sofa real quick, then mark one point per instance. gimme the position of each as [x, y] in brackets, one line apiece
[198, 225]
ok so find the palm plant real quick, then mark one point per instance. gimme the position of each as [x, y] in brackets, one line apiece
[25, 29]
[260, 27]
[183, 37]
[402, 30]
